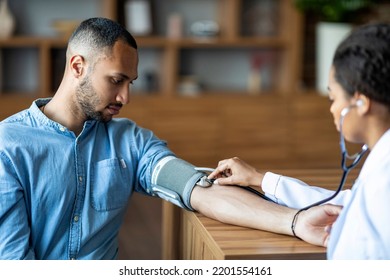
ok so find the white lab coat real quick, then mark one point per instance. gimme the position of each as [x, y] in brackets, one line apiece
[362, 231]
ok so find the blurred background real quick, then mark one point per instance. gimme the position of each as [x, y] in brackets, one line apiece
[217, 78]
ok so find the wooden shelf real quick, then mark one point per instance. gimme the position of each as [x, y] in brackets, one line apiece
[172, 57]
[32, 41]
[211, 42]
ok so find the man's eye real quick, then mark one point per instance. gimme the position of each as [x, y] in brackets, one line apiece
[117, 81]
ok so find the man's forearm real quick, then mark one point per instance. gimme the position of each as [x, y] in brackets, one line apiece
[240, 207]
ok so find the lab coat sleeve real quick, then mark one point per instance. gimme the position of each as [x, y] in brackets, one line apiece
[294, 193]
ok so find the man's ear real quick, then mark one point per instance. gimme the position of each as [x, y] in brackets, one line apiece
[77, 65]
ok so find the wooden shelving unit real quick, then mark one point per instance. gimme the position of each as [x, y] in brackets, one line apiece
[173, 54]
[45, 50]
[285, 43]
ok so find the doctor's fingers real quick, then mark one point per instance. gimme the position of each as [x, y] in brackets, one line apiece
[230, 166]
[333, 211]
[220, 171]
[230, 161]
[327, 230]
[227, 181]
[322, 215]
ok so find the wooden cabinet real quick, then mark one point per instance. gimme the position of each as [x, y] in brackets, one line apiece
[256, 38]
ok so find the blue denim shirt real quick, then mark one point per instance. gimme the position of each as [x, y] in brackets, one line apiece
[64, 197]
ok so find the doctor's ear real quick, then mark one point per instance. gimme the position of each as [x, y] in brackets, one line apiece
[363, 104]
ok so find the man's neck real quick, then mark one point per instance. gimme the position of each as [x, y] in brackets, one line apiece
[63, 112]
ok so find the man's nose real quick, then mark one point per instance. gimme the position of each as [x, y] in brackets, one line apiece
[124, 95]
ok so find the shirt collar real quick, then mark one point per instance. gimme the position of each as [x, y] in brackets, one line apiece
[45, 121]
[36, 112]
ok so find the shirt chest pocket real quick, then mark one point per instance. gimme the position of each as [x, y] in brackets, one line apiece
[110, 184]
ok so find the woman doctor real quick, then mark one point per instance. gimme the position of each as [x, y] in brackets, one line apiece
[359, 89]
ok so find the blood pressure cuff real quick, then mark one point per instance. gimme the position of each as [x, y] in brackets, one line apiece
[173, 179]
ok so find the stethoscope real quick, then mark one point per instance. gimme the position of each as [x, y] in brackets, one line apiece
[206, 182]
[355, 158]
[345, 156]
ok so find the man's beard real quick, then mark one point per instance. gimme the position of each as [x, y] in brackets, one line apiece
[89, 100]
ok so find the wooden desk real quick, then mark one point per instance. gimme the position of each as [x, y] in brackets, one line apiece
[207, 239]
[204, 238]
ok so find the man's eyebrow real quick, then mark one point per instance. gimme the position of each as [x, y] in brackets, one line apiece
[124, 76]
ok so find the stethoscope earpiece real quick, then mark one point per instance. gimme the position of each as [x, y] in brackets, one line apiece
[359, 102]
[345, 111]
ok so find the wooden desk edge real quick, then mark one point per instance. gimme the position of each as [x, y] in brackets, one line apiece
[208, 248]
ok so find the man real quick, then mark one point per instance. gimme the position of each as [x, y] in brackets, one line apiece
[67, 168]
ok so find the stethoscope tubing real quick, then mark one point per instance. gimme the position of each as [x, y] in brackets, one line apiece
[344, 156]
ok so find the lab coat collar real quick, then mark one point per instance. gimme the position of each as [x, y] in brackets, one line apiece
[378, 154]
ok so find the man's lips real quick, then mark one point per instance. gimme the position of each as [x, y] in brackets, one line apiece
[114, 109]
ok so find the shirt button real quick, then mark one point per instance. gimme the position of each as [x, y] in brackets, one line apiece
[62, 128]
[80, 179]
[76, 218]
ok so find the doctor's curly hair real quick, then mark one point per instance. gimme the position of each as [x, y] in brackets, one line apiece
[362, 62]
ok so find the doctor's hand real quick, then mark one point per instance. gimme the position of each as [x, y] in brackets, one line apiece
[235, 171]
[314, 224]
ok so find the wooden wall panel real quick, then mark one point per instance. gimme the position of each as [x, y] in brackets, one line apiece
[266, 131]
